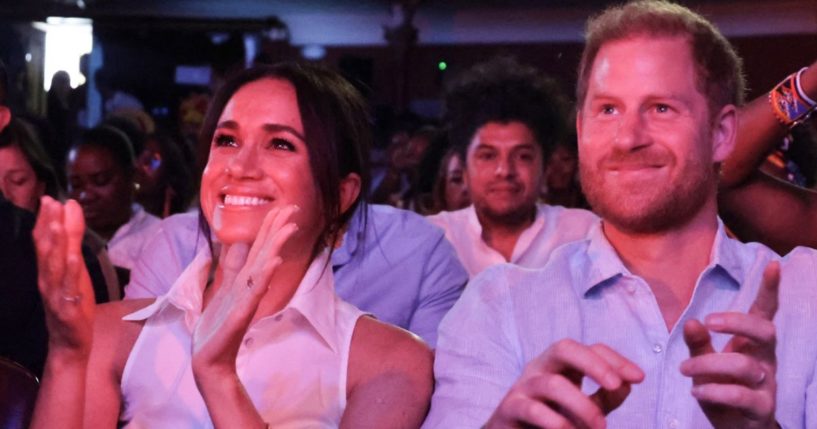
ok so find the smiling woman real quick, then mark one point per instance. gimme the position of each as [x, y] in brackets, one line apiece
[252, 333]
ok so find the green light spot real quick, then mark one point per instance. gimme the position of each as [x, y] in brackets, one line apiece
[442, 65]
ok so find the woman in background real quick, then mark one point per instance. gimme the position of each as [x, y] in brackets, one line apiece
[450, 191]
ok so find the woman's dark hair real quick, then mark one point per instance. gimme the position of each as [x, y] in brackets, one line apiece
[20, 134]
[113, 140]
[337, 129]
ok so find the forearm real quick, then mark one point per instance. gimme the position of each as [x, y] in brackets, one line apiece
[61, 398]
[227, 402]
[752, 212]
[759, 131]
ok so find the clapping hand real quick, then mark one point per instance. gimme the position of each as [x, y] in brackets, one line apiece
[246, 277]
[62, 278]
[736, 387]
[548, 394]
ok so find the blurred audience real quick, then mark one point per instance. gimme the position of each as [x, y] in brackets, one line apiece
[25, 169]
[26, 174]
[58, 111]
[450, 191]
[101, 170]
[561, 183]
[163, 177]
[398, 183]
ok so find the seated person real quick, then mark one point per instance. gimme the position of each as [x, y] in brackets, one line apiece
[450, 192]
[658, 318]
[164, 180]
[100, 169]
[390, 263]
[560, 186]
[505, 118]
[26, 174]
[252, 333]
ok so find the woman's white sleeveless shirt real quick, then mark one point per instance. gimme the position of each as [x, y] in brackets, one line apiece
[292, 364]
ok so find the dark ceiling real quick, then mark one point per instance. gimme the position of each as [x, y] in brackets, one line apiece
[208, 9]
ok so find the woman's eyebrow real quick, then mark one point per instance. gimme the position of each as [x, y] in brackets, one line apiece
[274, 128]
[270, 128]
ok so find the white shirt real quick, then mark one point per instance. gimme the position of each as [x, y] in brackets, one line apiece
[553, 226]
[293, 364]
[126, 244]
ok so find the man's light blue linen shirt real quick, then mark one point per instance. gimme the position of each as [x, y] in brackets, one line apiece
[403, 271]
[509, 315]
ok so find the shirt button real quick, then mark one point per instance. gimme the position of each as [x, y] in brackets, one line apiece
[248, 341]
[630, 288]
[674, 423]
[657, 348]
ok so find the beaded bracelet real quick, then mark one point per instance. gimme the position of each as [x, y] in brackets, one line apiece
[789, 102]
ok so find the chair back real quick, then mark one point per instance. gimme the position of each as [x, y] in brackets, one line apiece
[18, 394]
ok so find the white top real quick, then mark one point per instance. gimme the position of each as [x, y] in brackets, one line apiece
[553, 226]
[293, 364]
[126, 244]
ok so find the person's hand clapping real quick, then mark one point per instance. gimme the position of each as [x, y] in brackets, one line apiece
[548, 394]
[247, 274]
[736, 388]
[63, 281]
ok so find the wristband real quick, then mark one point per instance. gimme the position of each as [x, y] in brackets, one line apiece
[800, 91]
[789, 102]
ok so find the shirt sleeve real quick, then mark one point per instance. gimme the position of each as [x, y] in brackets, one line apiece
[477, 358]
[442, 283]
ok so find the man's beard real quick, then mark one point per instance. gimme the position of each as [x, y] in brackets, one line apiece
[518, 216]
[651, 208]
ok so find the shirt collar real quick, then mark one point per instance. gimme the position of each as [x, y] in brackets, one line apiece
[314, 299]
[351, 238]
[605, 264]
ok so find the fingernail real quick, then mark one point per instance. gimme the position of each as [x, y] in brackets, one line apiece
[715, 322]
[697, 391]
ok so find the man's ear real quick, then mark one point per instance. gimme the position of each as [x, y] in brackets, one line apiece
[349, 191]
[5, 117]
[724, 132]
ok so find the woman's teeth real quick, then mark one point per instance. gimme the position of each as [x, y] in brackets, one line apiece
[238, 200]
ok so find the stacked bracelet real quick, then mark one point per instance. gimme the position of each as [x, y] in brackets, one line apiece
[789, 102]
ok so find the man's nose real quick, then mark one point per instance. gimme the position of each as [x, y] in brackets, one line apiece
[505, 166]
[631, 133]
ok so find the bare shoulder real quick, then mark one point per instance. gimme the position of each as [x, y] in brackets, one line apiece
[114, 337]
[390, 377]
[380, 345]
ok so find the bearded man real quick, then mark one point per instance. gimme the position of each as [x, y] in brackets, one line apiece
[657, 318]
